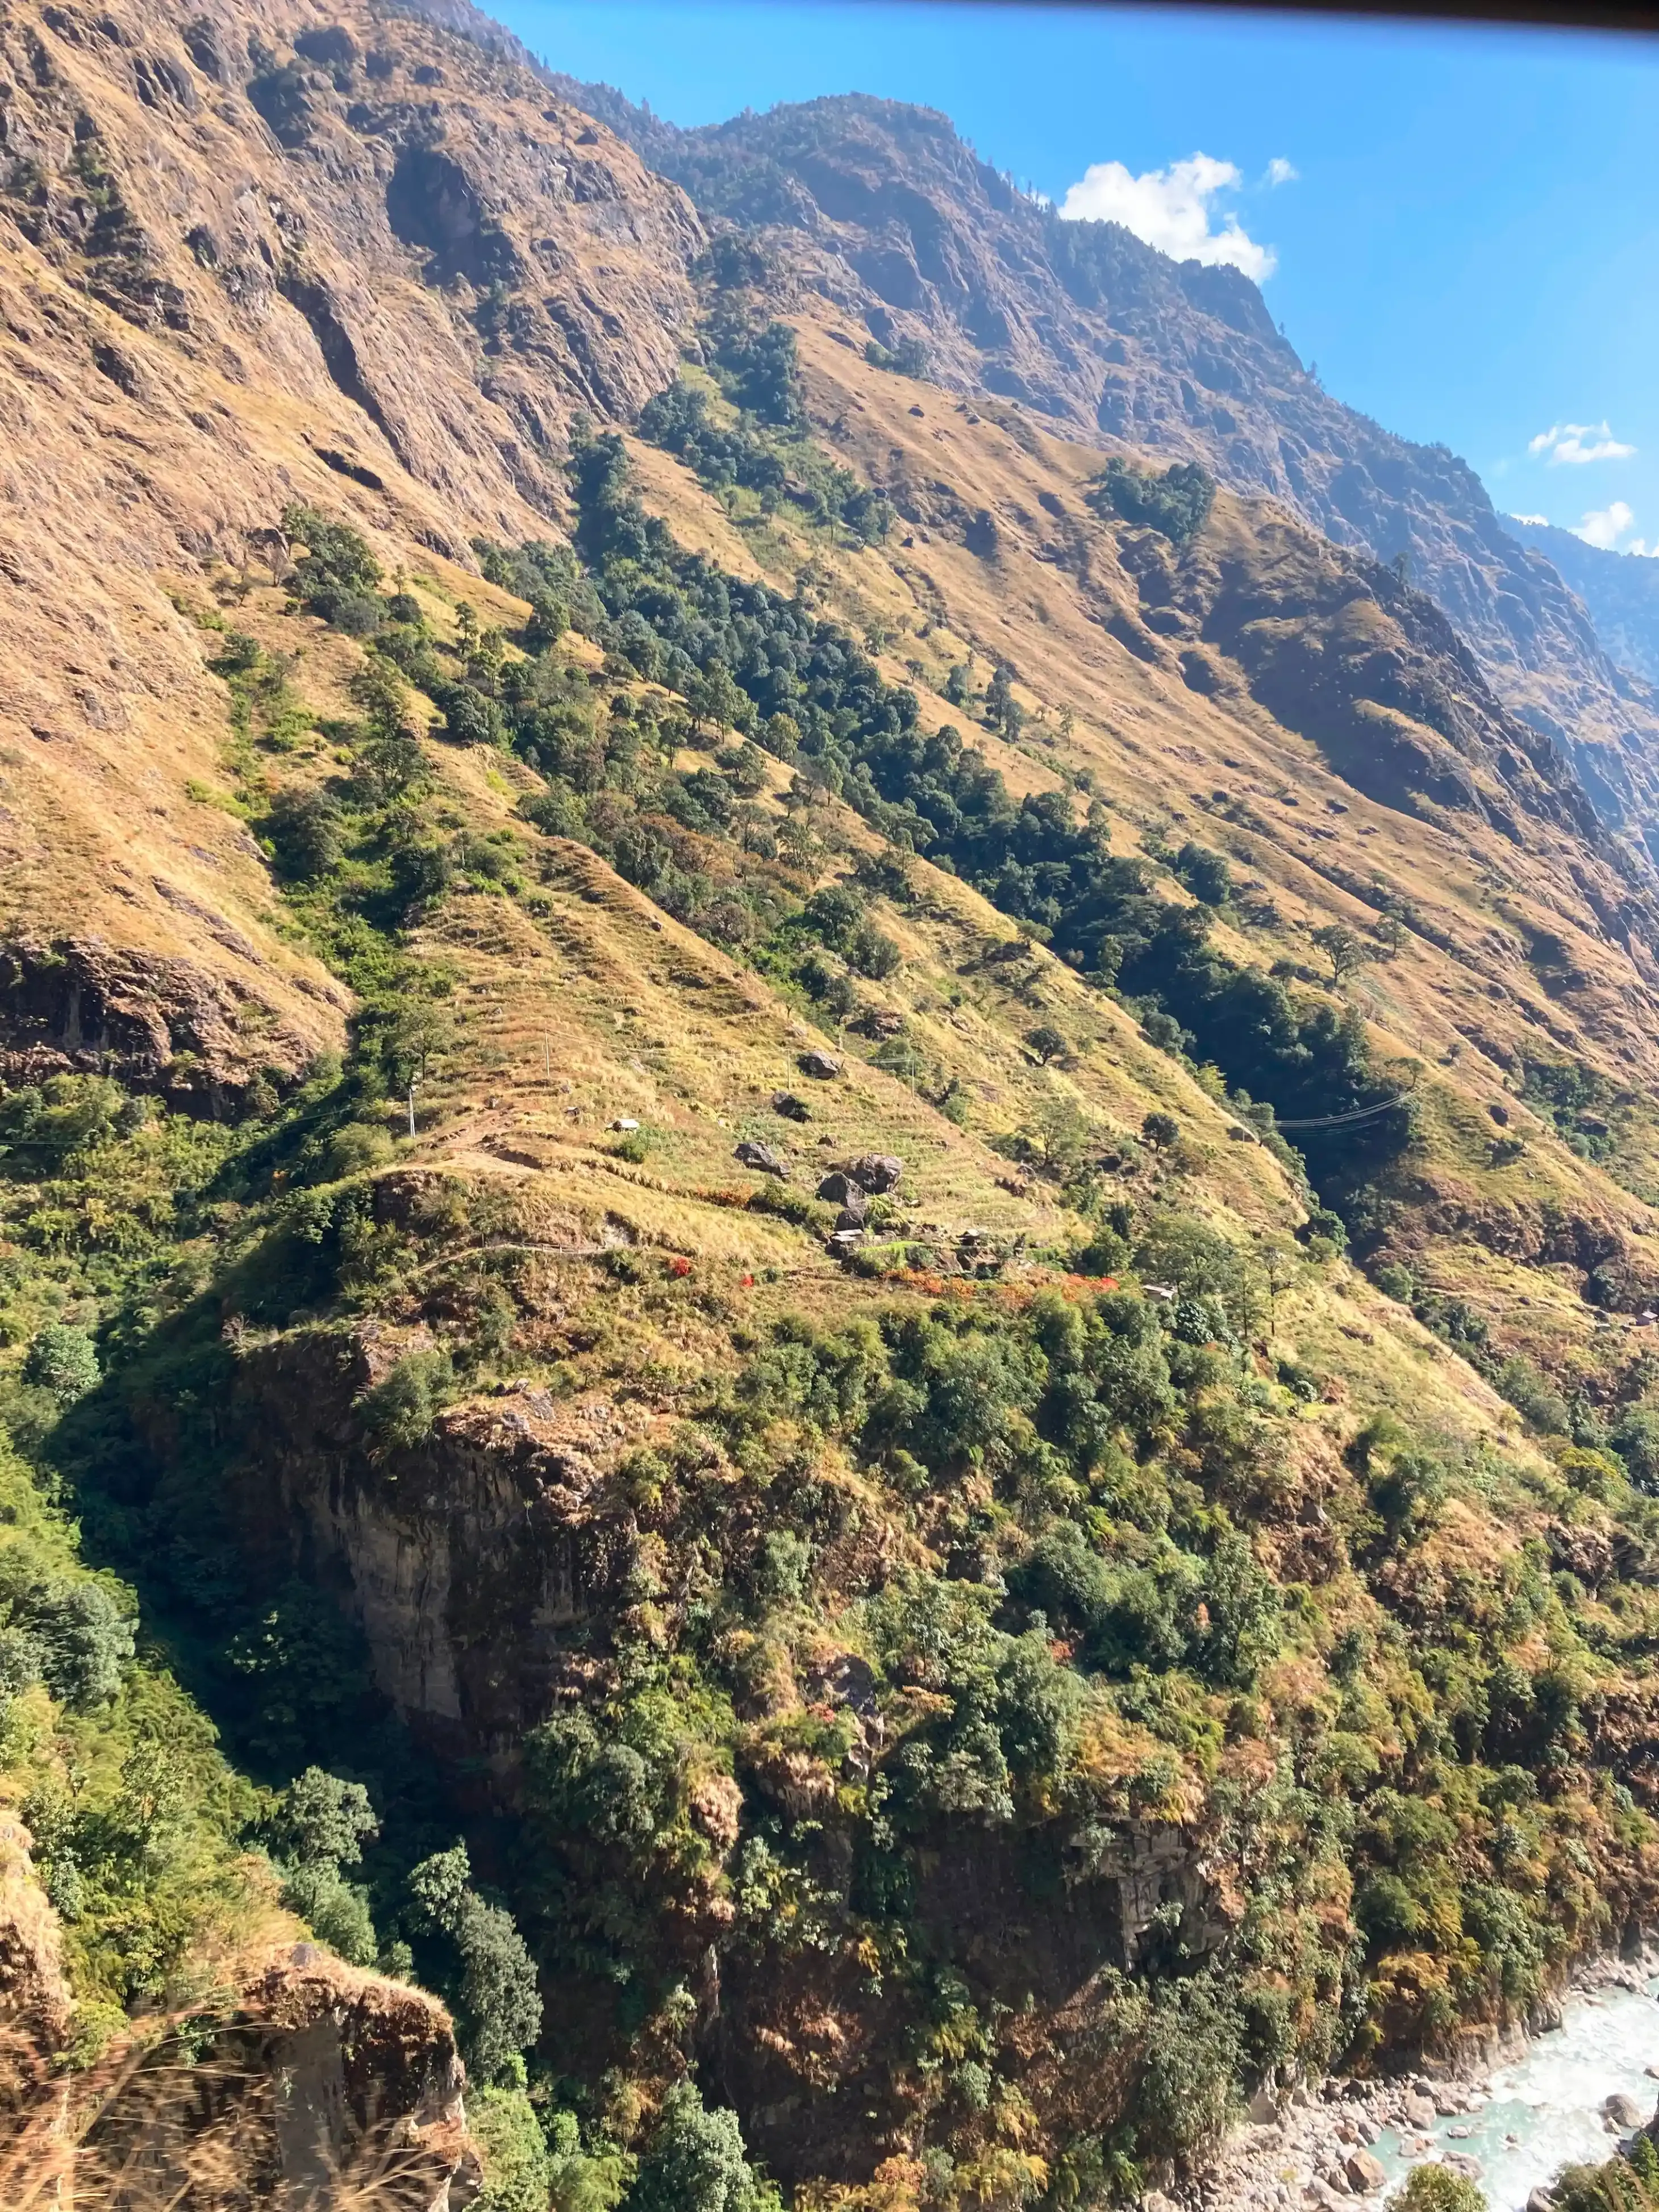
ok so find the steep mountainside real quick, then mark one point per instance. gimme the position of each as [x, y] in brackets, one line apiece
[1620, 590]
[881, 209]
[839, 1235]
[228, 283]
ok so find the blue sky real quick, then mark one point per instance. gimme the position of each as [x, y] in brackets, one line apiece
[1466, 249]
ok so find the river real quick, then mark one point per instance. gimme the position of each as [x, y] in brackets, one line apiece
[1545, 2111]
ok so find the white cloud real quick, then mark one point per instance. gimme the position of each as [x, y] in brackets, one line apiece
[1604, 526]
[1565, 441]
[1281, 172]
[1542, 520]
[1171, 209]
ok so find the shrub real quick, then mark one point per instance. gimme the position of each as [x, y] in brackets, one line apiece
[43, 1129]
[62, 1360]
[398, 1411]
[1438, 2189]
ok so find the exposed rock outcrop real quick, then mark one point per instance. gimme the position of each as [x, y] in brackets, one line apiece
[314, 2080]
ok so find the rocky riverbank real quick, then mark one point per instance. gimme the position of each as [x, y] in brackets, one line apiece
[1319, 2146]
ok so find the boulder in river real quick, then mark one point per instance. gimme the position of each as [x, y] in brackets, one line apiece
[1364, 2172]
[1624, 2111]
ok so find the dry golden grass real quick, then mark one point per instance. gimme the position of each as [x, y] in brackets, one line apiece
[244, 2098]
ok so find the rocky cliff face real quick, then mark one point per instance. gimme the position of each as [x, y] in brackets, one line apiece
[1620, 592]
[883, 209]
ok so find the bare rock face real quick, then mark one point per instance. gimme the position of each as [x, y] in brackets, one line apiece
[496, 1534]
[167, 1026]
[324, 2078]
[367, 2064]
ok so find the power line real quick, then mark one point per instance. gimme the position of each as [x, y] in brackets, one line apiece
[1336, 1121]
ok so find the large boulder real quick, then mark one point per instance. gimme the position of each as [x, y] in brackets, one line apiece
[839, 1188]
[823, 1066]
[1364, 2172]
[761, 1158]
[875, 1171]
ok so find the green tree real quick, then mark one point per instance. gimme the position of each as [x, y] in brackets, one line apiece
[519, 2172]
[320, 1816]
[1177, 503]
[319, 1828]
[493, 1988]
[1344, 948]
[389, 768]
[1002, 710]
[696, 2162]
[715, 702]
[1205, 873]
[81, 1636]
[1047, 1042]
[382, 693]
[303, 827]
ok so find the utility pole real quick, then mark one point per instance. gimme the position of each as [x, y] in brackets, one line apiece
[413, 1080]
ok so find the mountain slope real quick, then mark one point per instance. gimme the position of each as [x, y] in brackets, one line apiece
[883, 209]
[1619, 589]
[242, 316]
[918, 1433]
